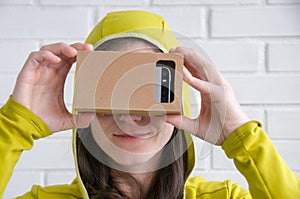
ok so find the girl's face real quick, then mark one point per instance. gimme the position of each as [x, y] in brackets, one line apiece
[131, 139]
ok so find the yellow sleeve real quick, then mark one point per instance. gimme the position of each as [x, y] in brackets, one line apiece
[65, 191]
[197, 187]
[255, 156]
[19, 127]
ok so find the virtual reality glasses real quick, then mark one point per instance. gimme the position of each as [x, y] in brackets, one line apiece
[114, 82]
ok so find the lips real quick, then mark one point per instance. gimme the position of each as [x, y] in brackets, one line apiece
[133, 135]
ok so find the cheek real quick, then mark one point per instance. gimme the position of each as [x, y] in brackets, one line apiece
[166, 133]
[162, 138]
[106, 123]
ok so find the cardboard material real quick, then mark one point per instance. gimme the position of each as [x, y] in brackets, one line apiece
[112, 82]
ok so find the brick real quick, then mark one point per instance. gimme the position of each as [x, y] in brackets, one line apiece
[203, 152]
[15, 54]
[233, 56]
[220, 160]
[240, 22]
[284, 124]
[9, 81]
[289, 150]
[195, 102]
[91, 2]
[195, 110]
[16, 2]
[61, 22]
[202, 2]
[63, 135]
[69, 87]
[254, 113]
[284, 57]
[281, 89]
[63, 177]
[48, 154]
[283, 1]
[21, 183]
[220, 176]
[179, 25]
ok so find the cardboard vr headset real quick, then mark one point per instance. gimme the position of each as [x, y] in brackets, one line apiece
[113, 82]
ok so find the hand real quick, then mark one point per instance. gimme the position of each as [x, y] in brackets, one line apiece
[40, 85]
[220, 112]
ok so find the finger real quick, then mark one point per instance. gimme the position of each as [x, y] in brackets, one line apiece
[200, 65]
[196, 83]
[69, 61]
[73, 53]
[81, 46]
[83, 120]
[192, 61]
[60, 49]
[184, 51]
[41, 57]
[184, 123]
[80, 120]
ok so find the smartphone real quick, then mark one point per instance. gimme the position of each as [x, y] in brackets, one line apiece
[164, 85]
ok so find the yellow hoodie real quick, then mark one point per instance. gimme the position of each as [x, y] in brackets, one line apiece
[253, 153]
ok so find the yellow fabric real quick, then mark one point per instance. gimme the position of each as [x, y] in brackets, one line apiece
[19, 127]
[257, 159]
[252, 151]
[134, 23]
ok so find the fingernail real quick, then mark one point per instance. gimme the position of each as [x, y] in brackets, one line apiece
[172, 50]
[90, 46]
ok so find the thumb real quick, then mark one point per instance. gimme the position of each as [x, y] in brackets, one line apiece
[83, 120]
[184, 123]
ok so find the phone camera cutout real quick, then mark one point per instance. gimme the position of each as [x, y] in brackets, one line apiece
[164, 88]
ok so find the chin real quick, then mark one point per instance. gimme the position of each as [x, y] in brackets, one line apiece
[135, 162]
[129, 159]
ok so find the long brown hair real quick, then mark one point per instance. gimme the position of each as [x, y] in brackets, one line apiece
[102, 181]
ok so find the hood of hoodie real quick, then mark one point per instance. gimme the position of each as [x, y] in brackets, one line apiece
[152, 28]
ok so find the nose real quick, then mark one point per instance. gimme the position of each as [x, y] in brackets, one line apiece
[130, 118]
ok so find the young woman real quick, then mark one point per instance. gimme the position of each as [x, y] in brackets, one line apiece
[151, 157]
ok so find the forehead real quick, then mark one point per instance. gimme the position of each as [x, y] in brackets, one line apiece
[140, 48]
[128, 44]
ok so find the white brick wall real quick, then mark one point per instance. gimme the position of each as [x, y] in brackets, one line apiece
[281, 123]
[16, 2]
[266, 21]
[284, 56]
[202, 2]
[229, 56]
[255, 43]
[284, 1]
[266, 89]
[92, 2]
[27, 22]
